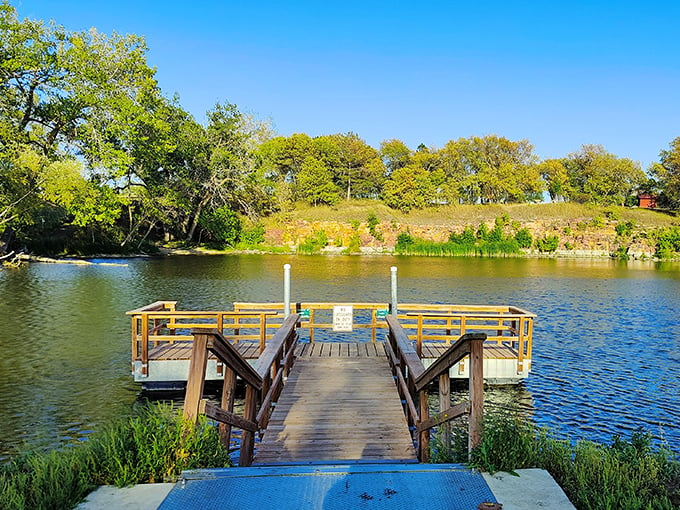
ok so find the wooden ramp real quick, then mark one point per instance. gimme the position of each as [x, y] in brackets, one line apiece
[338, 405]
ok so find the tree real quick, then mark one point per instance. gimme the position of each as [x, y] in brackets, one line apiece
[357, 172]
[407, 188]
[600, 177]
[395, 154]
[315, 184]
[490, 169]
[667, 172]
[555, 175]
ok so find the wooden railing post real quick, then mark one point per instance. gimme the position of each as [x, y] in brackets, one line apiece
[196, 380]
[247, 436]
[476, 392]
[145, 344]
[228, 394]
[424, 439]
[444, 404]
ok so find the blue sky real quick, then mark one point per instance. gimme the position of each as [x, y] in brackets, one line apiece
[560, 74]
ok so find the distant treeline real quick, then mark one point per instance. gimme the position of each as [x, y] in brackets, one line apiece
[93, 157]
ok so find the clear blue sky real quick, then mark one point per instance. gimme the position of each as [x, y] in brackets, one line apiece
[560, 74]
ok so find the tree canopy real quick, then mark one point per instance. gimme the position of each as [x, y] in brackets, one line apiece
[93, 153]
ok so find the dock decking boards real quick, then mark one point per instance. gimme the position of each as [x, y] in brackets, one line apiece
[337, 409]
[251, 350]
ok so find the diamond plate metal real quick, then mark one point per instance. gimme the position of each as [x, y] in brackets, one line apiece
[341, 487]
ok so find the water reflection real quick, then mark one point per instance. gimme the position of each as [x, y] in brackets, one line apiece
[606, 352]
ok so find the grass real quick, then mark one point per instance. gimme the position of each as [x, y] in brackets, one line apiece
[627, 474]
[153, 446]
[346, 211]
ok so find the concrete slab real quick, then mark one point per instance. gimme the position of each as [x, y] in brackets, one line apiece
[531, 490]
[138, 497]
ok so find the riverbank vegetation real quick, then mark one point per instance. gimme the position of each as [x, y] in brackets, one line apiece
[153, 446]
[157, 444]
[95, 158]
[628, 473]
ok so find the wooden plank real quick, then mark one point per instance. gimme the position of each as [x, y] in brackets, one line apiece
[337, 408]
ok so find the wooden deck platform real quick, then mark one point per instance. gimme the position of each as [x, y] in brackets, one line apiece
[339, 407]
[170, 361]
[251, 350]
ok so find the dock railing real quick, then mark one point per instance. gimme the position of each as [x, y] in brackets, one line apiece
[503, 325]
[161, 323]
[413, 379]
[264, 382]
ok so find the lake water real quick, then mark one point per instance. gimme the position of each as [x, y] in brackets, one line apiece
[606, 353]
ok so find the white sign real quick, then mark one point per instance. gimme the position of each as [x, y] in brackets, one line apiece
[343, 318]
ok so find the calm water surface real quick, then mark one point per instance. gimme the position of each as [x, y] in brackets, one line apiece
[606, 341]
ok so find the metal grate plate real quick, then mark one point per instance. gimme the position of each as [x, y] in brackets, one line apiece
[342, 487]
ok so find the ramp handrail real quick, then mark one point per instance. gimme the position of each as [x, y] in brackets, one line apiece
[263, 381]
[413, 379]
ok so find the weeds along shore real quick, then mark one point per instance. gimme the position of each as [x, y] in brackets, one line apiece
[157, 443]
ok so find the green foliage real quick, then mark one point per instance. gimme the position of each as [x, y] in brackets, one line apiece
[626, 474]
[667, 243]
[502, 220]
[154, 446]
[621, 253]
[315, 183]
[612, 214]
[463, 244]
[482, 232]
[597, 222]
[314, 243]
[466, 237]
[253, 236]
[548, 243]
[524, 238]
[222, 226]
[624, 228]
[404, 242]
[667, 175]
[568, 246]
[373, 222]
[354, 245]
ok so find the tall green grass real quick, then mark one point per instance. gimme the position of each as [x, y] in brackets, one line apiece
[627, 474]
[410, 245]
[153, 446]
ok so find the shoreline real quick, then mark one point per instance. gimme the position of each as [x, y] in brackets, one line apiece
[92, 260]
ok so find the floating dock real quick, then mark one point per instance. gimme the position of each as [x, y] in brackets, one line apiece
[161, 339]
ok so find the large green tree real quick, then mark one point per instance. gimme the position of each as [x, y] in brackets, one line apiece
[667, 174]
[598, 176]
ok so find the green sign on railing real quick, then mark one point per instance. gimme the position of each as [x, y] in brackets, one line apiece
[381, 313]
[304, 314]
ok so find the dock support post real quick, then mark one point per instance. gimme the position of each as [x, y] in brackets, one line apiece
[476, 393]
[393, 271]
[286, 290]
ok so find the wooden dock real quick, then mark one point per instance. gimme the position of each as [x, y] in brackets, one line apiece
[161, 339]
[339, 406]
[360, 403]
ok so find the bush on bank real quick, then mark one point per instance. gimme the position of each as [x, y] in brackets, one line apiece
[627, 474]
[153, 446]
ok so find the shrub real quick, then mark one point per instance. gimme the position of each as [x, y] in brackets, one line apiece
[373, 222]
[624, 228]
[597, 222]
[314, 243]
[524, 238]
[625, 474]
[253, 236]
[667, 242]
[223, 226]
[155, 445]
[547, 244]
